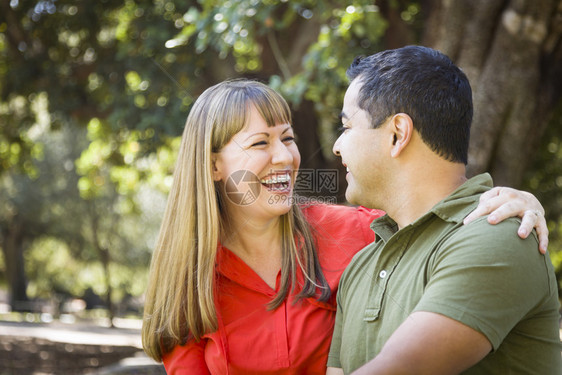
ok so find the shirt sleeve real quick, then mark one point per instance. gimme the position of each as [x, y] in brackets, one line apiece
[188, 359]
[487, 278]
[335, 347]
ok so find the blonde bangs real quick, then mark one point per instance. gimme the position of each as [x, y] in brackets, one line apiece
[272, 107]
[233, 101]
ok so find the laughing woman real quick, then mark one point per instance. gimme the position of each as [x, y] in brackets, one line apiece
[246, 284]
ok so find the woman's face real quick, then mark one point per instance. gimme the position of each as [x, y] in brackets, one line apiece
[258, 167]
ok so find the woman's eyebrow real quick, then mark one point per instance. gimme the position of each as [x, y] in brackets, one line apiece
[289, 127]
[266, 134]
[253, 135]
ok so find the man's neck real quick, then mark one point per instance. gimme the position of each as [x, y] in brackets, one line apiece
[416, 193]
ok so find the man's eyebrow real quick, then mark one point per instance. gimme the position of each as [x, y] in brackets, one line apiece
[343, 116]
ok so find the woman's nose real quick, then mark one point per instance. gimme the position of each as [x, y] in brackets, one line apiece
[281, 154]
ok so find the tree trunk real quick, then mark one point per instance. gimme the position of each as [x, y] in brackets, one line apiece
[105, 259]
[398, 33]
[12, 248]
[512, 54]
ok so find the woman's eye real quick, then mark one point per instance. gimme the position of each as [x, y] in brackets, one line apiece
[288, 139]
[342, 129]
[260, 143]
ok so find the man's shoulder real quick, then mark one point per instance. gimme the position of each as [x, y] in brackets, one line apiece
[487, 277]
[480, 243]
[482, 234]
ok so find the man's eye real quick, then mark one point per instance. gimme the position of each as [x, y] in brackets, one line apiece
[342, 129]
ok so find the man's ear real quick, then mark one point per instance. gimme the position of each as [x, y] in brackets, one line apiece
[216, 164]
[403, 128]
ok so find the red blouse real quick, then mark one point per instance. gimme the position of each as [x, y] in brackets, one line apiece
[295, 337]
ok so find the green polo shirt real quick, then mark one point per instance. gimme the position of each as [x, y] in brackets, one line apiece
[481, 275]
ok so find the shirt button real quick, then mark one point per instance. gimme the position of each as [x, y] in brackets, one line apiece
[382, 275]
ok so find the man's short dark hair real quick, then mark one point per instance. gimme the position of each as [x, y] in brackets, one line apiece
[426, 85]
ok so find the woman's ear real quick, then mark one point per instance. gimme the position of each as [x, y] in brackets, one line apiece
[403, 128]
[217, 175]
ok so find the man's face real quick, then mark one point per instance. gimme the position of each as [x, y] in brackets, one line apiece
[363, 151]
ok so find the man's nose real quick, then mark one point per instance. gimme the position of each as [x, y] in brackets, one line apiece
[336, 148]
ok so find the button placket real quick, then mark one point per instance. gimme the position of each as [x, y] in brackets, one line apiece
[282, 339]
[387, 263]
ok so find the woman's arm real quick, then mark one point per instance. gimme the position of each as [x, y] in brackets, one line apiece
[188, 359]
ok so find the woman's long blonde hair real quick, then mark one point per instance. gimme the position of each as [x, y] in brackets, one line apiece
[180, 295]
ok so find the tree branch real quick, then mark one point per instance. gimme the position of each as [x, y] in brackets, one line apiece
[281, 62]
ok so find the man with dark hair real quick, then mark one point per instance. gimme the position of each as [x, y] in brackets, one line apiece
[431, 295]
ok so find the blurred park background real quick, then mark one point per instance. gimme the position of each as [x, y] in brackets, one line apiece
[94, 96]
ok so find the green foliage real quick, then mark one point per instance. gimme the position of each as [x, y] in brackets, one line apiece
[64, 225]
[53, 270]
[137, 66]
[17, 149]
[39, 199]
[347, 33]
[94, 95]
[99, 91]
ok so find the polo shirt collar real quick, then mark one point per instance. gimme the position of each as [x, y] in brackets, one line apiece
[453, 208]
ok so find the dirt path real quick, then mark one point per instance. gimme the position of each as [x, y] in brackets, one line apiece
[64, 349]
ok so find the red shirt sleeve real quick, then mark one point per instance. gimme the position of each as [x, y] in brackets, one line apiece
[366, 216]
[340, 232]
[188, 359]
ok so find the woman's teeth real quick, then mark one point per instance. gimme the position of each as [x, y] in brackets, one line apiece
[277, 182]
[276, 179]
